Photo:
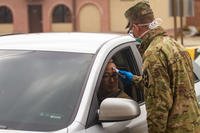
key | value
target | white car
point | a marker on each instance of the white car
(49, 83)
(197, 60)
(196, 65)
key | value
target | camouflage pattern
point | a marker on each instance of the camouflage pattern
(169, 87)
(167, 78)
(118, 93)
(139, 13)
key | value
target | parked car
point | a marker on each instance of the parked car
(197, 60)
(49, 83)
(196, 65)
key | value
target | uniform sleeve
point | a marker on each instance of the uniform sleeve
(158, 95)
(137, 79)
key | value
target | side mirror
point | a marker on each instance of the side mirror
(118, 109)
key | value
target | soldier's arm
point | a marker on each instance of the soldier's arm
(137, 79)
(158, 95)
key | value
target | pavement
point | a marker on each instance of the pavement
(192, 42)
(192, 45)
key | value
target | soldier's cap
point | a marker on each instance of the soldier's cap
(140, 13)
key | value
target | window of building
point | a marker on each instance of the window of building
(5, 15)
(61, 14)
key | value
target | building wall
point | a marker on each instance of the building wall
(6, 29)
(21, 24)
(161, 10)
(60, 27)
(102, 6)
(19, 11)
(118, 7)
(117, 20)
(89, 19)
(48, 6)
(195, 20)
(109, 15)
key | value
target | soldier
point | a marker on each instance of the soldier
(169, 92)
(109, 86)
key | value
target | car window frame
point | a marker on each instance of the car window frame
(195, 72)
(94, 106)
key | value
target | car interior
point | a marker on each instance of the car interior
(124, 60)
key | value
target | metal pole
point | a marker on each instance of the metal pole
(74, 14)
(174, 15)
(181, 19)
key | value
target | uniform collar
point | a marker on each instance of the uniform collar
(148, 37)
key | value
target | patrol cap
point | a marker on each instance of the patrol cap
(141, 13)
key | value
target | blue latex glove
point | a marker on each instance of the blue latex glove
(126, 76)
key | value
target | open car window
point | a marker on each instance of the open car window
(124, 60)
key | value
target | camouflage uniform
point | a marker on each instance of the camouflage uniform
(169, 87)
(118, 93)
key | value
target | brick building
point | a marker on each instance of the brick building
(24, 16)
(51, 15)
(195, 20)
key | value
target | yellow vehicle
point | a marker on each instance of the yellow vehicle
(194, 52)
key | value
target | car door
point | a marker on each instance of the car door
(126, 57)
(196, 69)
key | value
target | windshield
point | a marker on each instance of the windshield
(40, 90)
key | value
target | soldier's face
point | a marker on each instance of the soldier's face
(136, 30)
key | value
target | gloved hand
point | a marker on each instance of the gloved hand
(126, 76)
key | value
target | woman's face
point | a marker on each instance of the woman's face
(110, 78)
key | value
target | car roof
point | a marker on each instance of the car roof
(70, 42)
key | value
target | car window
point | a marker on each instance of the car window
(40, 90)
(124, 59)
